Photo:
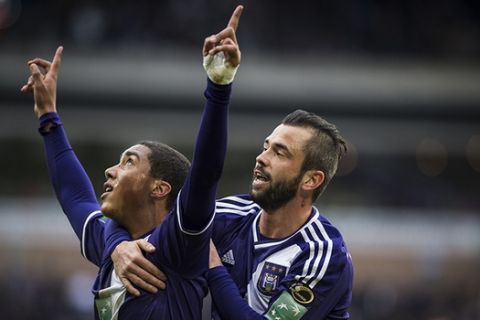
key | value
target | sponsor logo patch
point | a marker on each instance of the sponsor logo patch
(286, 308)
(228, 258)
(104, 308)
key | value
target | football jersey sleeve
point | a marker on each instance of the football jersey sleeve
(232, 214)
(185, 234)
(72, 187)
(182, 240)
(197, 198)
(226, 298)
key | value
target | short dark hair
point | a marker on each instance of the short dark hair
(323, 150)
(167, 164)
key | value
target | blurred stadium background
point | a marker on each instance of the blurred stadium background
(401, 79)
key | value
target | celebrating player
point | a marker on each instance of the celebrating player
(140, 192)
(285, 259)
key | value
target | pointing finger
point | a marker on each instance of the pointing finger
(57, 59)
(235, 18)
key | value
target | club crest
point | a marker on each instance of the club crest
(270, 277)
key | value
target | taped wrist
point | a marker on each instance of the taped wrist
(219, 70)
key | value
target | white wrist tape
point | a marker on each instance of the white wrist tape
(218, 70)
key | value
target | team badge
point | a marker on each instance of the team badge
(301, 293)
(270, 277)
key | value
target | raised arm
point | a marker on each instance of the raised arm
(221, 59)
(70, 182)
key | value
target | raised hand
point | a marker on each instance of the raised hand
(221, 53)
(43, 83)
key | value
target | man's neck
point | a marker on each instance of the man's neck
(286, 220)
(146, 221)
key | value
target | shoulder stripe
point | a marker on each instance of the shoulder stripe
(89, 217)
(317, 263)
(238, 212)
(329, 241)
(236, 199)
(307, 264)
(239, 207)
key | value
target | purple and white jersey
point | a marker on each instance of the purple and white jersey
(182, 240)
(307, 275)
(181, 254)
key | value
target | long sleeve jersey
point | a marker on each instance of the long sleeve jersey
(182, 240)
(307, 275)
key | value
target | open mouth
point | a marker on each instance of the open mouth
(260, 178)
(257, 175)
(107, 188)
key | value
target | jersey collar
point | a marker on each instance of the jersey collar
(261, 242)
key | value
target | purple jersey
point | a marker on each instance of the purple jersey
(182, 240)
(307, 275)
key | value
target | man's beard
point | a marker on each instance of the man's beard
(277, 194)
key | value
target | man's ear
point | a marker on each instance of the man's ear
(161, 189)
(312, 179)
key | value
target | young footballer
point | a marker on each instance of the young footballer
(151, 193)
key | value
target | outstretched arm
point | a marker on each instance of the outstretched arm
(71, 184)
(221, 59)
